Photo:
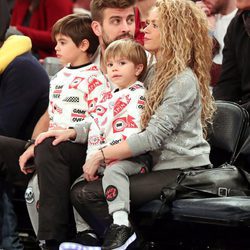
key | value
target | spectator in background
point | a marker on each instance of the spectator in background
(141, 13)
(81, 6)
(23, 99)
(219, 14)
(10, 5)
(234, 82)
(35, 18)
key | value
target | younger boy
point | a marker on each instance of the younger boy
(117, 116)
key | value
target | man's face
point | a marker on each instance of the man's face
(243, 4)
(117, 24)
(215, 6)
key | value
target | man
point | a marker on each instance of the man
(23, 99)
(234, 83)
(111, 23)
(219, 14)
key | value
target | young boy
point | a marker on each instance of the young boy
(126, 61)
(73, 93)
(117, 116)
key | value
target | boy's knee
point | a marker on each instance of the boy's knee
(43, 150)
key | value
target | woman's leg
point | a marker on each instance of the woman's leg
(89, 200)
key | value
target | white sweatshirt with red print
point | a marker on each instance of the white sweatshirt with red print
(74, 93)
(117, 116)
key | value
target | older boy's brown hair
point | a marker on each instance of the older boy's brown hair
(128, 49)
(78, 28)
(98, 6)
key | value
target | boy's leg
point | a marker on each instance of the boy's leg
(57, 168)
(116, 189)
(115, 183)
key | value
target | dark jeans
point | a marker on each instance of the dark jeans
(10, 149)
(10, 239)
(89, 200)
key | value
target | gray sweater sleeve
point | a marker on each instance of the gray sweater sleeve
(180, 96)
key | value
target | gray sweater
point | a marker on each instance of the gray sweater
(174, 133)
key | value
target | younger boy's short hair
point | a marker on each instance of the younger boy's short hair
(128, 49)
(78, 28)
(98, 6)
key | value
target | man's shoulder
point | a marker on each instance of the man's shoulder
(27, 66)
(25, 60)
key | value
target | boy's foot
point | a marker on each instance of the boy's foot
(49, 245)
(84, 240)
(118, 237)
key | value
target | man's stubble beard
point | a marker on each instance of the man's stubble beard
(107, 41)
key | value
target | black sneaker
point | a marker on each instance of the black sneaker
(118, 237)
(49, 245)
(85, 240)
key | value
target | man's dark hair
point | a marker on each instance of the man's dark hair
(4, 19)
(98, 6)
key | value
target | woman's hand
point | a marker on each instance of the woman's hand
(60, 136)
(91, 166)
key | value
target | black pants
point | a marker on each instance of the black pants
(10, 151)
(89, 200)
(57, 167)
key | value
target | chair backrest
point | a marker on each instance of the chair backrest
(226, 134)
(52, 65)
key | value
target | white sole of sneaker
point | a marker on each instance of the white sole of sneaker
(76, 246)
(127, 243)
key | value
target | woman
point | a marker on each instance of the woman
(178, 109)
(35, 18)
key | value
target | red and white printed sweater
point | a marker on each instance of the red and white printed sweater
(74, 93)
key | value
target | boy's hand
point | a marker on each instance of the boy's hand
(60, 136)
(91, 166)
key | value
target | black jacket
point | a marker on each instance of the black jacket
(234, 83)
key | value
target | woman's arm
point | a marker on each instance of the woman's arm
(176, 105)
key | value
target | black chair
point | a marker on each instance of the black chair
(226, 137)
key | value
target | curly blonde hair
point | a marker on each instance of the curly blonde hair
(185, 42)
